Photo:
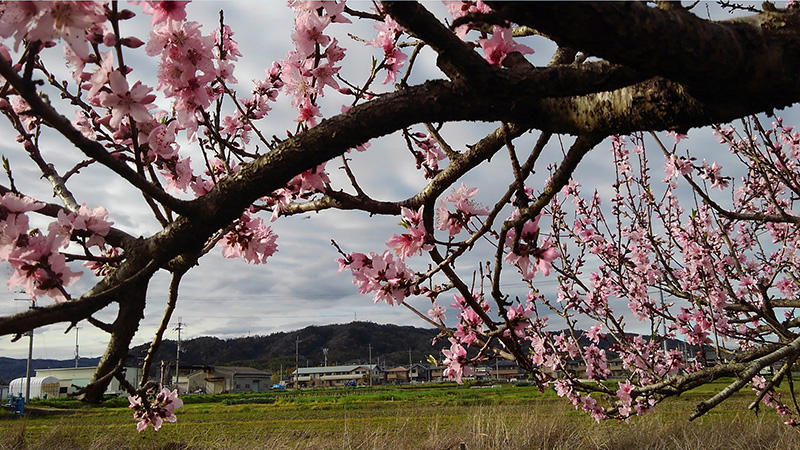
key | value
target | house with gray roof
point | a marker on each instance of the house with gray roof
(330, 376)
(224, 379)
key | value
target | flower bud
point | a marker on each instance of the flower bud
(131, 42)
(126, 14)
(110, 39)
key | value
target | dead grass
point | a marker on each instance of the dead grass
(409, 424)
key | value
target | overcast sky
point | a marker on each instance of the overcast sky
(299, 286)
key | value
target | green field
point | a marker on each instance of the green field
(424, 417)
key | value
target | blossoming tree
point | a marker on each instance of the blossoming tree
(723, 249)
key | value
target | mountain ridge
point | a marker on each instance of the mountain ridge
(349, 343)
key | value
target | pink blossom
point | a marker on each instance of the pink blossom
(308, 113)
(530, 257)
(309, 27)
(23, 110)
(165, 10)
(596, 363)
(67, 20)
(463, 202)
(466, 208)
(178, 174)
(93, 220)
(387, 278)
(161, 141)
(100, 77)
(16, 204)
(456, 362)
(388, 32)
(594, 334)
(518, 316)
(624, 396)
(437, 312)
(123, 101)
(501, 44)
(249, 239)
(413, 242)
(713, 174)
(675, 165)
(16, 17)
(677, 136)
(460, 8)
(40, 269)
(155, 409)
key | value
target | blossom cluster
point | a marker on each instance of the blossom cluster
(501, 42)
(386, 277)
(37, 264)
(526, 252)
(465, 210)
(154, 408)
(250, 240)
(314, 62)
(413, 242)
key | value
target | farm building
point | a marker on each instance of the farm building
(41, 387)
(70, 379)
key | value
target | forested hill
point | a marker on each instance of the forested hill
(347, 344)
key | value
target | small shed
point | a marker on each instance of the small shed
(41, 387)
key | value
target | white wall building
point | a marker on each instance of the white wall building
(41, 387)
(70, 379)
(335, 375)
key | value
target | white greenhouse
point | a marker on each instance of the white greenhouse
(41, 387)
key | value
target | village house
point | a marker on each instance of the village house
(436, 373)
(225, 379)
(397, 375)
(419, 373)
(330, 376)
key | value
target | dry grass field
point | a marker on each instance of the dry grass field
(506, 417)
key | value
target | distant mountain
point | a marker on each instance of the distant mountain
(347, 344)
(11, 368)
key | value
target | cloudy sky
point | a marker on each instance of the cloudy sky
(299, 286)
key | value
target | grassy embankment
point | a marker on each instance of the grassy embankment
(507, 417)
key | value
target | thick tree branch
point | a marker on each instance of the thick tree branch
(758, 56)
(456, 59)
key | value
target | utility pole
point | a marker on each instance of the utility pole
(77, 354)
(296, 360)
(178, 356)
(369, 346)
(28, 367)
(30, 355)
(409, 359)
(325, 351)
